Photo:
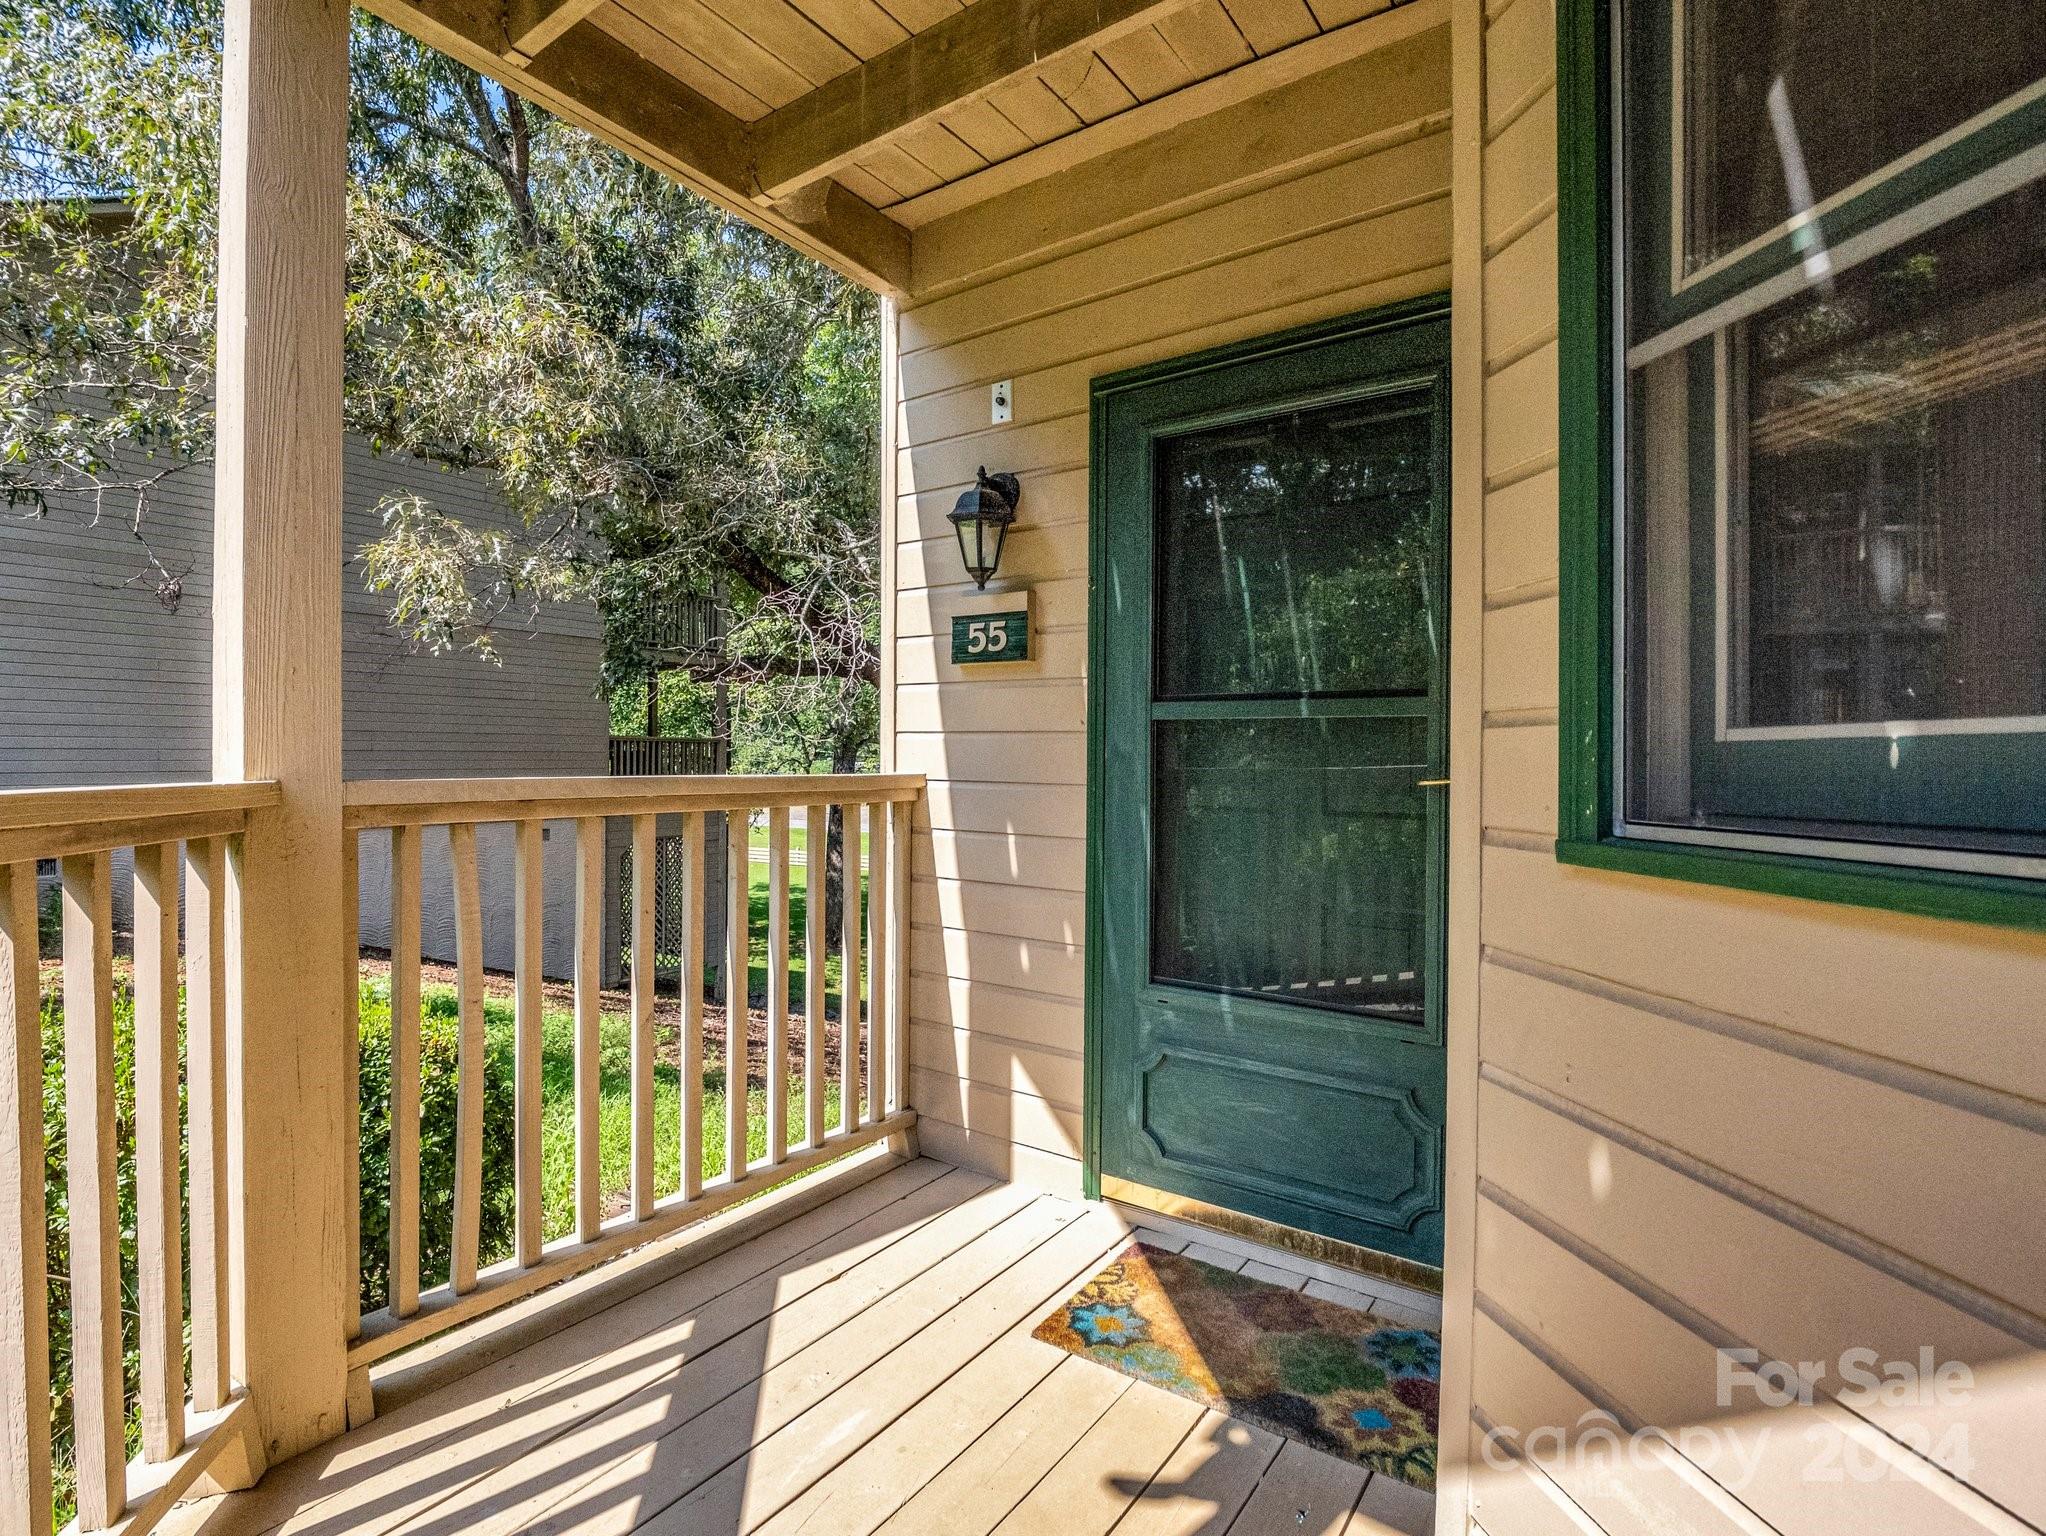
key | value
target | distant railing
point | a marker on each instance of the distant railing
(685, 624)
(879, 931)
(185, 1427)
(639, 756)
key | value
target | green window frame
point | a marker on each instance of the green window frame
(1590, 831)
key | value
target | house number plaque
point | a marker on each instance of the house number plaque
(978, 637)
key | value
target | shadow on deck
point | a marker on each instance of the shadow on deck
(866, 1365)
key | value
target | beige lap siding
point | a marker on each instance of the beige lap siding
(1707, 1118)
(1333, 197)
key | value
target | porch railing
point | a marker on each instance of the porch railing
(685, 624)
(67, 848)
(185, 1426)
(871, 1076)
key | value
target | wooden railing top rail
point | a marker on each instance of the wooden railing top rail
(432, 802)
(52, 823)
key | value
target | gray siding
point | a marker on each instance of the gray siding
(101, 684)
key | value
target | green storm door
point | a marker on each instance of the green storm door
(1267, 829)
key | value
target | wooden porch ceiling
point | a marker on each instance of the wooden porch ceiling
(843, 125)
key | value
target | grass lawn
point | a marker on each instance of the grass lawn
(614, 1112)
(799, 906)
(799, 845)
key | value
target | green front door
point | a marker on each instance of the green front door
(1267, 816)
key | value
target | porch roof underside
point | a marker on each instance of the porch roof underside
(844, 126)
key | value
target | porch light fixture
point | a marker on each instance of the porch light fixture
(981, 518)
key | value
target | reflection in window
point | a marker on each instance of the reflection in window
(1833, 599)
(1293, 553)
(1892, 558)
(1827, 92)
(1290, 860)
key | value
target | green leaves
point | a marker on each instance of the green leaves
(669, 400)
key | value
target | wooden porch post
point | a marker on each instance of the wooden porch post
(277, 700)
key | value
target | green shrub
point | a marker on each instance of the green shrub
(437, 1052)
(438, 1048)
(57, 1220)
(50, 921)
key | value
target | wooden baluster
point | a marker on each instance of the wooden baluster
(777, 984)
(527, 962)
(468, 1057)
(159, 1250)
(24, 1282)
(644, 885)
(849, 976)
(589, 977)
(404, 1071)
(815, 821)
(206, 1113)
(690, 920)
(898, 966)
(98, 1409)
(738, 959)
(351, 1082)
(878, 913)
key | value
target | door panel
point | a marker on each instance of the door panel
(1239, 1122)
(1267, 894)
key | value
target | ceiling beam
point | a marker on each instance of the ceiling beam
(960, 59)
(589, 78)
(1319, 56)
(530, 25)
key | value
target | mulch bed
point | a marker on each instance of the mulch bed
(559, 997)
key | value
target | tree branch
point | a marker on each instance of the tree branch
(505, 159)
(433, 131)
(708, 668)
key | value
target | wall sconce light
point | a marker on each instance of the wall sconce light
(981, 519)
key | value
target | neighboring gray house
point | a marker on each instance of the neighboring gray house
(102, 681)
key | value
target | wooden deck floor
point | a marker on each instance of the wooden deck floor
(865, 1367)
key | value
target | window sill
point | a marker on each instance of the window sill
(1989, 899)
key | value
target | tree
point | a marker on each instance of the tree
(671, 400)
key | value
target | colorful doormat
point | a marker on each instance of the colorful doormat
(1314, 1371)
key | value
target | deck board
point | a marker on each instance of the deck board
(864, 1367)
(695, 1442)
(998, 1470)
(868, 1487)
(474, 1422)
(1204, 1485)
(1095, 1482)
(1309, 1495)
(623, 1447)
(762, 1478)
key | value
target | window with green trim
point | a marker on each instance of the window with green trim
(1805, 435)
